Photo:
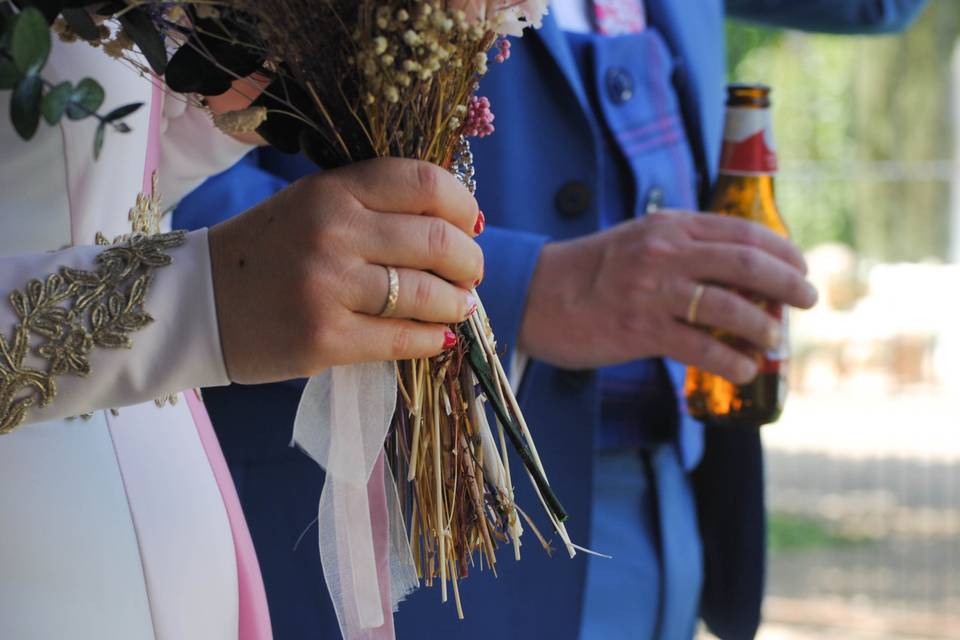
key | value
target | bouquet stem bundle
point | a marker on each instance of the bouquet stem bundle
(453, 471)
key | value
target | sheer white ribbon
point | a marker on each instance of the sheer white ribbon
(342, 421)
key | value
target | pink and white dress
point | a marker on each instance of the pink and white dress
(124, 525)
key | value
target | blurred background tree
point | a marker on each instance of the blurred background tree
(860, 124)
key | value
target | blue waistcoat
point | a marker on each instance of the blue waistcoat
(543, 161)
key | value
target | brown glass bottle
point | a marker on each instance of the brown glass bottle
(745, 189)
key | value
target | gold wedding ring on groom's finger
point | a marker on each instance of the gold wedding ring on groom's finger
(393, 293)
(695, 304)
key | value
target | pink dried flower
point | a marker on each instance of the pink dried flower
(479, 120)
(503, 49)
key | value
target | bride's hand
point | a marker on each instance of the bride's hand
(300, 279)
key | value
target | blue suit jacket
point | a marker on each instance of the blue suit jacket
(546, 138)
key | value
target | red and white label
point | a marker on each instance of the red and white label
(775, 359)
(748, 146)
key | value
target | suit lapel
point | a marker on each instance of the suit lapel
(557, 46)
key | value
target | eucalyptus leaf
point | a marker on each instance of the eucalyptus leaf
(9, 74)
(140, 28)
(55, 102)
(122, 112)
(86, 98)
(25, 106)
(81, 23)
(49, 8)
(98, 140)
(30, 41)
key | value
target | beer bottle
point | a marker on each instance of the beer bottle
(745, 189)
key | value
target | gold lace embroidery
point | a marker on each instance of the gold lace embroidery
(72, 312)
(146, 213)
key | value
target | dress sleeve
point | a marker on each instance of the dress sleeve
(96, 327)
(192, 148)
(830, 16)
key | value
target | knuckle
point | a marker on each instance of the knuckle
(427, 179)
(401, 342)
(748, 261)
(750, 234)
(423, 294)
(324, 331)
(714, 355)
(727, 306)
(646, 246)
(658, 217)
(439, 239)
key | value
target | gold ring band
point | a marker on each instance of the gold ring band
(393, 292)
(695, 304)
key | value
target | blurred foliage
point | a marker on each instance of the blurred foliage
(864, 130)
(791, 532)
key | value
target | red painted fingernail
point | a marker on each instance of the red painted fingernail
(449, 340)
(481, 223)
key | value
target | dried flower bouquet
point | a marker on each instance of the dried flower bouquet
(349, 80)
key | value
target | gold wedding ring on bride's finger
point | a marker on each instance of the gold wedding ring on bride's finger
(694, 305)
(393, 293)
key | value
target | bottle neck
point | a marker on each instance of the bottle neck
(748, 144)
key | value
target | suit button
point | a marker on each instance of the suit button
(573, 199)
(654, 200)
(619, 85)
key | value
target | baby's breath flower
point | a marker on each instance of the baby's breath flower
(379, 45)
(391, 94)
(480, 60)
(121, 43)
(65, 33)
(412, 38)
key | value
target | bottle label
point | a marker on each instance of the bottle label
(748, 146)
(774, 359)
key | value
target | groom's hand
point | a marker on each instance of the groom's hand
(300, 279)
(624, 294)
